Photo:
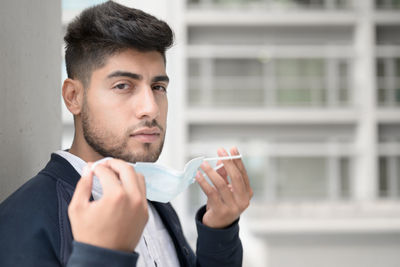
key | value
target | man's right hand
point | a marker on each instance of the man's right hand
(116, 221)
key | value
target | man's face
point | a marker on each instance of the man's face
(125, 107)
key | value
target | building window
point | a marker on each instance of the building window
(387, 4)
(275, 83)
(389, 176)
(388, 79)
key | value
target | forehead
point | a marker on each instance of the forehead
(145, 63)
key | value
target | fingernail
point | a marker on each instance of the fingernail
(198, 175)
(223, 152)
(205, 165)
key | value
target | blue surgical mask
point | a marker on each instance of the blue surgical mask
(163, 183)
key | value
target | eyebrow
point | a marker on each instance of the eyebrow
(118, 73)
(161, 78)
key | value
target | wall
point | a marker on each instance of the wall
(30, 72)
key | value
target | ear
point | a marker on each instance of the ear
(72, 92)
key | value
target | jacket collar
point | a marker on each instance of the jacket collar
(60, 168)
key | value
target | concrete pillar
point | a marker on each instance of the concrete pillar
(30, 74)
(366, 169)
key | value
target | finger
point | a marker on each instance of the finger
(219, 183)
(230, 187)
(108, 178)
(209, 190)
(237, 182)
(142, 184)
(126, 174)
(83, 189)
(222, 172)
(239, 164)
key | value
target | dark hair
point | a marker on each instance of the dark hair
(103, 30)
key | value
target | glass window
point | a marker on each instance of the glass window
(345, 183)
(382, 96)
(301, 178)
(300, 82)
(343, 4)
(309, 3)
(194, 95)
(246, 82)
(389, 176)
(344, 82)
(387, 4)
(238, 82)
(225, 82)
(380, 3)
(380, 68)
(397, 60)
(388, 81)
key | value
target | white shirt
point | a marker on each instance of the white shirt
(155, 247)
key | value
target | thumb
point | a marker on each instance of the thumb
(83, 189)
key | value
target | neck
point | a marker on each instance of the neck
(82, 149)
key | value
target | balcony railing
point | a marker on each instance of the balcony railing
(295, 82)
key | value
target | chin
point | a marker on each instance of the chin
(145, 152)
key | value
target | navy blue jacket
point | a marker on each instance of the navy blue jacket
(35, 229)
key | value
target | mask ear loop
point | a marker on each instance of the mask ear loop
(222, 158)
(100, 161)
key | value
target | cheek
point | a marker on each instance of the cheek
(163, 106)
(108, 114)
(105, 116)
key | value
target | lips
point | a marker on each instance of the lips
(147, 135)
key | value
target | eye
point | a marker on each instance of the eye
(121, 86)
(160, 88)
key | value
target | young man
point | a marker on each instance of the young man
(116, 90)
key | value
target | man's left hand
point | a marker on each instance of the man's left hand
(226, 200)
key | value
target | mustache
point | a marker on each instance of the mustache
(146, 123)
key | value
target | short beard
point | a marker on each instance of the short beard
(97, 139)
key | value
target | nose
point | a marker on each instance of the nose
(147, 106)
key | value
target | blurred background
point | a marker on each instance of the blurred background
(309, 91)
